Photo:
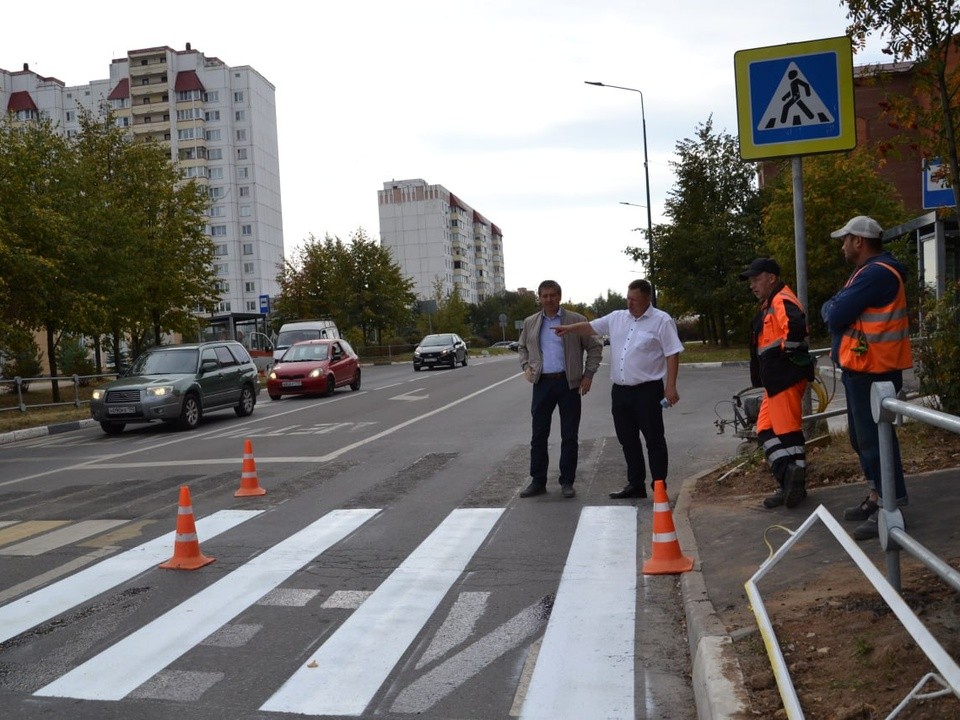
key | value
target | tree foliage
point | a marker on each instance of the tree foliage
(605, 305)
(836, 187)
(714, 231)
(922, 31)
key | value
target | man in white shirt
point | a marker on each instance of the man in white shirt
(644, 361)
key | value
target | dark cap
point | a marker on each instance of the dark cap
(761, 265)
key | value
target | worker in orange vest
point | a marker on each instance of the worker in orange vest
(870, 332)
(780, 363)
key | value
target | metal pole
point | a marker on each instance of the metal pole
(646, 177)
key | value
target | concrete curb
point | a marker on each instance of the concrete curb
(44, 430)
(718, 685)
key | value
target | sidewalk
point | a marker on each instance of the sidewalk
(726, 538)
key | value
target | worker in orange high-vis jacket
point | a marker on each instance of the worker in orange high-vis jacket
(870, 332)
(780, 363)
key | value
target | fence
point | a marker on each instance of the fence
(893, 539)
(20, 385)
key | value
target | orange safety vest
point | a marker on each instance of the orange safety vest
(879, 339)
(774, 334)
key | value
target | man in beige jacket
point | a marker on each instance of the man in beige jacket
(555, 367)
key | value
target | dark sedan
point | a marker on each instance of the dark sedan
(440, 349)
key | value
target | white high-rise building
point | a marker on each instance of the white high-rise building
(433, 235)
(220, 123)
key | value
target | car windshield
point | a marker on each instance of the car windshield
(437, 340)
(306, 353)
(165, 362)
(290, 337)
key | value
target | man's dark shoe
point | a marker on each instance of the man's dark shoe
(795, 485)
(869, 528)
(568, 491)
(629, 491)
(775, 500)
(533, 489)
(861, 512)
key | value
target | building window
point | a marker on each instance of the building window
(248, 248)
(240, 115)
(218, 230)
(221, 268)
(244, 191)
(252, 305)
(244, 211)
(187, 95)
(243, 173)
(212, 115)
(241, 153)
(249, 287)
(212, 135)
(223, 286)
(224, 306)
(217, 211)
(241, 135)
(215, 192)
(215, 154)
(220, 249)
(71, 116)
(216, 173)
(212, 96)
(246, 229)
(189, 134)
(248, 268)
(122, 121)
(238, 96)
(194, 172)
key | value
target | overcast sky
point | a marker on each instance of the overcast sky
(485, 97)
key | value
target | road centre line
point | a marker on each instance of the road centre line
(156, 645)
(347, 670)
(38, 607)
(94, 465)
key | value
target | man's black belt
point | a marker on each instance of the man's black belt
(553, 376)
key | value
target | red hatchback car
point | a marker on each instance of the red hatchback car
(314, 367)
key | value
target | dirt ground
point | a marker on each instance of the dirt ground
(848, 655)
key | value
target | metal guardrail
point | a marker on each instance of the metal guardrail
(20, 385)
(893, 538)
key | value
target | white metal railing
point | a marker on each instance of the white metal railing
(893, 538)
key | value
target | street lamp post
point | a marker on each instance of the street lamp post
(646, 176)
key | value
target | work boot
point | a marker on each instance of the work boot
(861, 512)
(775, 500)
(795, 483)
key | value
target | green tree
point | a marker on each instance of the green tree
(382, 295)
(451, 316)
(836, 186)
(714, 231)
(923, 31)
(606, 305)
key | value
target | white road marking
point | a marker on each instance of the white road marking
(64, 536)
(149, 650)
(55, 599)
(424, 693)
(586, 663)
(59, 571)
(409, 396)
(458, 626)
(347, 670)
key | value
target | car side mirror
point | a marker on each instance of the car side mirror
(208, 365)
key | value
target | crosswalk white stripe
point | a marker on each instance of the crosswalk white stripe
(58, 538)
(52, 600)
(342, 677)
(156, 645)
(586, 663)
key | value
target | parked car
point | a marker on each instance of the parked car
(314, 367)
(441, 349)
(179, 384)
(506, 344)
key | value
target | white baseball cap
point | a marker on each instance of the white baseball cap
(861, 226)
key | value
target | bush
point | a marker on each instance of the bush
(21, 357)
(73, 358)
(937, 355)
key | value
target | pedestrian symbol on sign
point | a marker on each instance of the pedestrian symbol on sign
(794, 104)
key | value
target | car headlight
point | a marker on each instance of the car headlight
(272, 375)
(160, 391)
(416, 353)
(317, 372)
(446, 351)
(99, 394)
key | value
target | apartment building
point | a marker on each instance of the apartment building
(433, 234)
(220, 124)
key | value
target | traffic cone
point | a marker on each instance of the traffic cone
(667, 558)
(249, 485)
(186, 547)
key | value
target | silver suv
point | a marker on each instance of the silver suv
(178, 384)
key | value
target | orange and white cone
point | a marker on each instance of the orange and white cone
(249, 484)
(186, 546)
(667, 558)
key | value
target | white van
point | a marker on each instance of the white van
(295, 332)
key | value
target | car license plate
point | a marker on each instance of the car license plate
(121, 410)
(291, 383)
(429, 360)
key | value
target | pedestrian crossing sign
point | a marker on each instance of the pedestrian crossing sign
(795, 99)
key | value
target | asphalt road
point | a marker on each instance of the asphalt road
(389, 571)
